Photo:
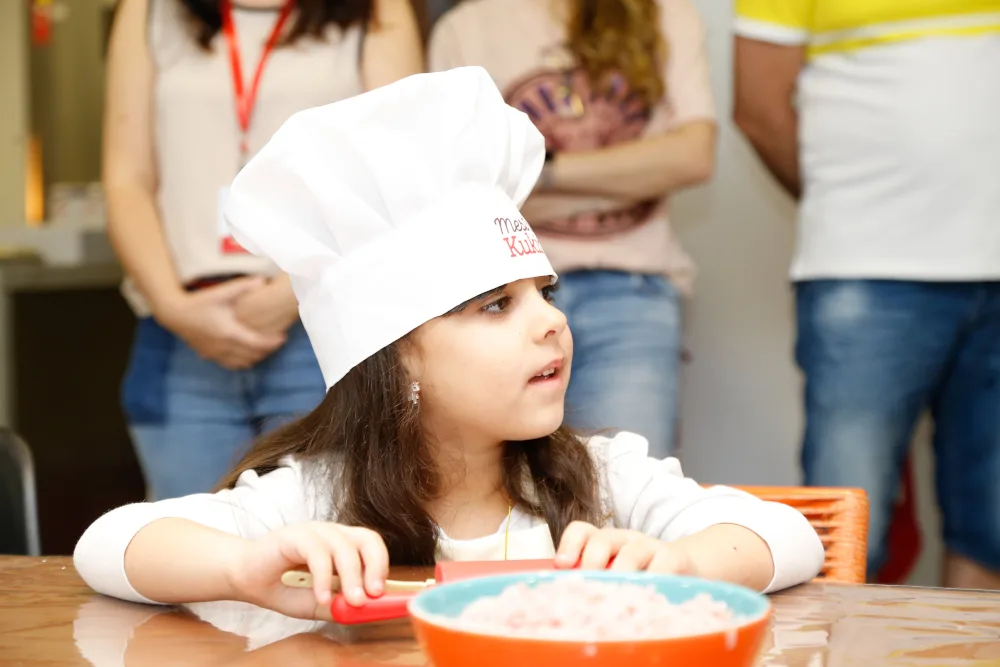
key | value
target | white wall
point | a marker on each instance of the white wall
(741, 415)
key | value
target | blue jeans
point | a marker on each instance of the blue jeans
(190, 419)
(875, 355)
(627, 345)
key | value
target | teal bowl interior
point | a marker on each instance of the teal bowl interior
(449, 600)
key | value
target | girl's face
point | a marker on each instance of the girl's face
(498, 369)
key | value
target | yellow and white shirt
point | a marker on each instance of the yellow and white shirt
(899, 134)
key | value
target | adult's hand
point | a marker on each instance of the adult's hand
(207, 321)
(270, 308)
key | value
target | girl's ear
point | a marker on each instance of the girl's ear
(410, 354)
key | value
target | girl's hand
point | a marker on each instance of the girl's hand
(357, 555)
(594, 547)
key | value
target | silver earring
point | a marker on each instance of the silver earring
(414, 392)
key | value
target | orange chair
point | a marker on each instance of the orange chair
(839, 515)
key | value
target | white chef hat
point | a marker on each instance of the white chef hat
(391, 208)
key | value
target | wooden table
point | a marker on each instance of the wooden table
(49, 617)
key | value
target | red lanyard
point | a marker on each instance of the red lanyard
(247, 99)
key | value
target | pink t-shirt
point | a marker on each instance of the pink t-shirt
(521, 45)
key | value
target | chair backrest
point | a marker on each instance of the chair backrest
(839, 515)
(19, 532)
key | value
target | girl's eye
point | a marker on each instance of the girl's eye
(497, 307)
(549, 293)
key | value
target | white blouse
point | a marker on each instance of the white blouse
(639, 492)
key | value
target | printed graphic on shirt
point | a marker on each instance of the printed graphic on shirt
(573, 116)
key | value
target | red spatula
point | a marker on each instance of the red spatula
(392, 605)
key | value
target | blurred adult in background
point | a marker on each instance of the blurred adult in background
(435, 8)
(620, 89)
(194, 88)
(893, 148)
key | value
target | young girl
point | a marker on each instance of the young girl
(427, 299)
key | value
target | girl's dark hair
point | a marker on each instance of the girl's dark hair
(368, 435)
(311, 17)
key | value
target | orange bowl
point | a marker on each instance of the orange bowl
(434, 612)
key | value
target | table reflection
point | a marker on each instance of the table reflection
(831, 625)
(111, 633)
(819, 625)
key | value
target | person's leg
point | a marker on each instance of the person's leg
(188, 417)
(872, 353)
(289, 383)
(627, 342)
(967, 447)
(143, 395)
(209, 423)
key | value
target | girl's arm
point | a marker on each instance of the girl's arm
(175, 561)
(232, 545)
(179, 561)
(723, 551)
(729, 552)
(728, 533)
(122, 552)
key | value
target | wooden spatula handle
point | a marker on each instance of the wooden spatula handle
(304, 579)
